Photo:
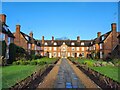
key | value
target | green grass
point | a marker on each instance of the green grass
(109, 71)
(15, 73)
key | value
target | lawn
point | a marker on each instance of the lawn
(15, 73)
(109, 71)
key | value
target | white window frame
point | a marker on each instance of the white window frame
(101, 56)
(73, 48)
(100, 45)
(72, 43)
(50, 48)
(77, 48)
(55, 48)
(46, 43)
(82, 43)
(82, 48)
(55, 43)
(68, 54)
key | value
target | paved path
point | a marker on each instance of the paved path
(66, 77)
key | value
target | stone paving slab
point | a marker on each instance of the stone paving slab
(67, 77)
(83, 77)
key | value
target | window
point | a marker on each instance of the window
(5, 27)
(50, 48)
(27, 37)
(29, 46)
(55, 48)
(77, 48)
(82, 43)
(35, 47)
(72, 43)
(82, 48)
(55, 43)
(2, 36)
(82, 54)
(73, 54)
(73, 48)
(100, 45)
(8, 40)
(64, 43)
(46, 43)
(91, 42)
(77, 54)
(11, 40)
(59, 54)
(68, 54)
(101, 54)
(94, 47)
(54, 54)
(45, 49)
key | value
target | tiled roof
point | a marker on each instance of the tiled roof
(6, 30)
(67, 42)
(30, 39)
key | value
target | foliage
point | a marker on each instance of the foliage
(4, 46)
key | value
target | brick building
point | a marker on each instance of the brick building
(99, 47)
(26, 41)
(64, 48)
(5, 34)
(105, 44)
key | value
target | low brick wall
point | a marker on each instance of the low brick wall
(100, 79)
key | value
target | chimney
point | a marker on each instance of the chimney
(98, 34)
(42, 39)
(113, 26)
(31, 34)
(52, 38)
(78, 38)
(3, 18)
(18, 28)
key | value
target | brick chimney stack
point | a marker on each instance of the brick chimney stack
(18, 28)
(98, 34)
(31, 34)
(114, 35)
(3, 18)
(78, 38)
(113, 26)
(42, 39)
(52, 38)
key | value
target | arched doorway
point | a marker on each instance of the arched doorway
(64, 50)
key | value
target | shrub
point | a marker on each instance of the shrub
(16, 63)
(33, 62)
(41, 63)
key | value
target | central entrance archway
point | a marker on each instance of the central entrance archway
(63, 50)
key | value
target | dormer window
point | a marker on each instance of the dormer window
(102, 37)
(63, 43)
(72, 43)
(46, 43)
(5, 27)
(82, 43)
(27, 37)
(91, 42)
(55, 43)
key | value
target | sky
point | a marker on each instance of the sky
(61, 19)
